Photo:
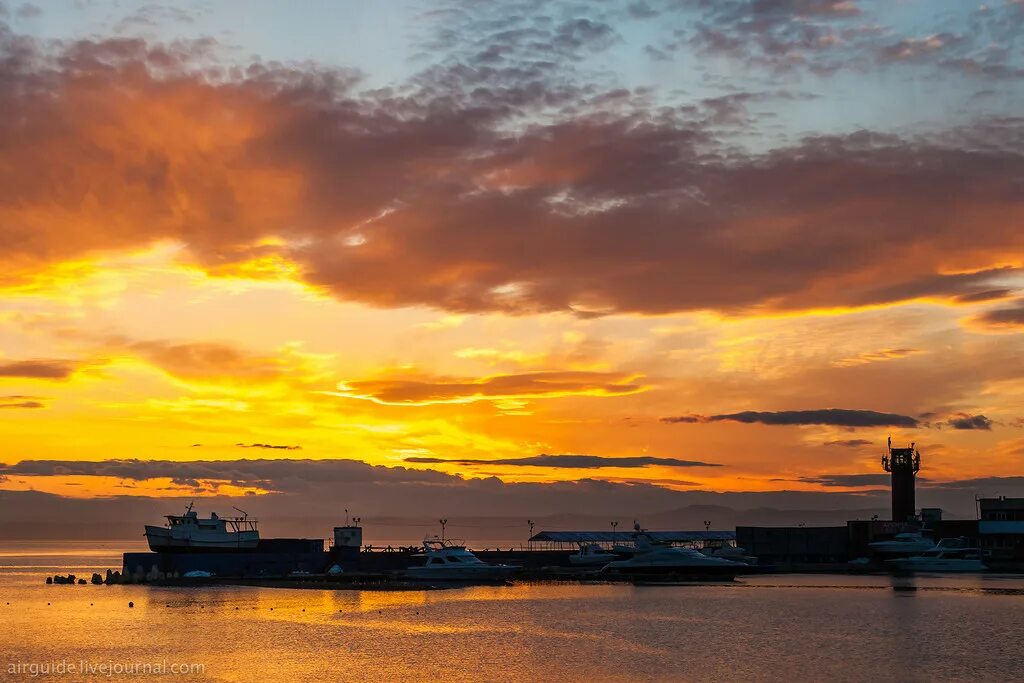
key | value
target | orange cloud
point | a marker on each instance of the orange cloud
(428, 199)
(205, 360)
(875, 356)
(38, 369)
(531, 385)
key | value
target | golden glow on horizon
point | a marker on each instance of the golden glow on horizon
(167, 355)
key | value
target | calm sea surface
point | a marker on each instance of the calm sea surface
(784, 628)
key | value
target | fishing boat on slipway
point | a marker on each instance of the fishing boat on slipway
(190, 532)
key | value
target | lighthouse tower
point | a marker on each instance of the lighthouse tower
(904, 464)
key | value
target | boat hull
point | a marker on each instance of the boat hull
(897, 549)
(162, 539)
(938, 566)
(593, 561)
(726, 571)
(634, 568)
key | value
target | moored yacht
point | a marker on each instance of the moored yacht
(447, 561)
(907, 543)
(653, 558)
(948, 555)
(190, 532)
(730, 552)
(591, 555)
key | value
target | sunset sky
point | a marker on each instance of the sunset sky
(674, 245)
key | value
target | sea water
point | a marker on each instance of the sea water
(769, 628)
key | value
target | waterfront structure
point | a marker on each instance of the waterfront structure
(1001, 527)
(572, 540)
(903, 464)
(271, 557)
(796, 547)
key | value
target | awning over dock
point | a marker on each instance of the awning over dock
(624, 536)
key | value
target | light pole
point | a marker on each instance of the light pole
(443, 523)
(614, 524)
(707, 525)
(529, 541)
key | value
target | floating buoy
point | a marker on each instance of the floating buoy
(131, 604)
(47, 603)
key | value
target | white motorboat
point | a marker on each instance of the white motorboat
(907, 543)
(730, 552)
(591, 555)
(653, 558)
(447, 561)
(948, 555)
(189, 532)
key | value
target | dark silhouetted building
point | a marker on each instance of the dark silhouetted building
(795, 547)
(1001, 527)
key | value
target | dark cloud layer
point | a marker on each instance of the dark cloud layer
(965, 421)
(986, 295)
(571, 461)
(827, 416)
(279, 475)
(778, 35)
(781, 36)
(849, 480)
(6, 402)
(437, 193)
(1006, 317)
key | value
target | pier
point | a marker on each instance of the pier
(556, 555)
